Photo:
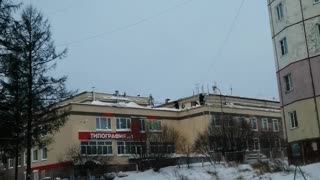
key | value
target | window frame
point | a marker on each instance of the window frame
(19, 161)
(119, 123)
(256, 122)
(288, 83)
(42, 153)
(293, 122)
(96, 145)
(151, 127)
(142, 123)
(35, 160)
(275, 121)
(25, 158)
(279, 11)
(10, 163)
(263, 121)
(216, 120)
(284, 46)
(108, 123)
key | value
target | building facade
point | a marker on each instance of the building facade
(105, 124)
(295, 27)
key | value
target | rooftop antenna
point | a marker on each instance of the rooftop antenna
(231, 90)
(197, 88)
(93, 93)
(208, 89)
(215, 90)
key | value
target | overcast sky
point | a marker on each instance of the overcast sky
(164, 47)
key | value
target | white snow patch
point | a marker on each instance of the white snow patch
(209, 172)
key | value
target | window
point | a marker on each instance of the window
(288, 82)
(10, 163)
(121, 148)
(279, 9)
(277, 143)
(162, 147)
(96, 147)
(35, 155)
(293, 119)
(125, 148)
(275, 125)
(216, 120)
(19, 161)
(44, 153)
(103, 123)
(254, 124)
(25, 158)
(256, 144)
(154, 125)
(265, 124)
(284, 46)
(142, 125)
(316, 1)
(318, 26)
(124, 124)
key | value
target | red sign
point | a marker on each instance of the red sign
(105, 135)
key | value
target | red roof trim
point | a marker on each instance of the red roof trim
(108, 115)
(151, 117)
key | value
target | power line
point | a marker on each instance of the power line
(224, 42)
(125, 27)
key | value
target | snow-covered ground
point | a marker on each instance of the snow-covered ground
(221, 172)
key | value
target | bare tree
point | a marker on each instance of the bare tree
(227, 134)
(154, 147)
(85, 164)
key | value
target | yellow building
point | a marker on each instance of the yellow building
(101, 123)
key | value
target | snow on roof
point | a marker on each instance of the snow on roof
(231, 105)
(129, 105)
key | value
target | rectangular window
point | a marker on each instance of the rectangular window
(19, 161)
(277, 143)
(142, 125)
(123, 124)
(293, 119)
(10, 163)
(162, 147)
(121, 148)
(256, 144)
(265, 124)
(275, 125)
(35, 155)
(103, 123)
(254, 124)
(44, 153)
(216, 120)
(283, 46)
(279, 9)
(25, 158)
(288, 82)
(96, 147)
(154, 125)
(316, 1)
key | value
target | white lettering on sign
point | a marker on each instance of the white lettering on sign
(109, 136)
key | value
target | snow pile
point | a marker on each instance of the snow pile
(220, 171)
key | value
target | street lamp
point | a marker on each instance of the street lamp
(221, 118)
